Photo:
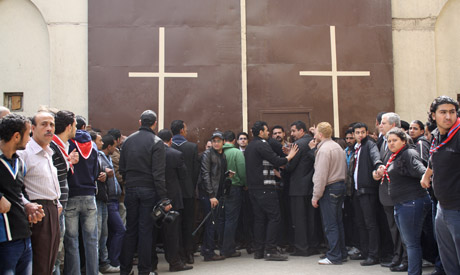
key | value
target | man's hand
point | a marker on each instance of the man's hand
(314, 203)
(168, 207)
(109, 172)
(74, 157)
(293, 152)
(102, 177)
(5, 205)
(214, 202)
(312, 143)
(34, 212)
(60, 208)
(425, 182)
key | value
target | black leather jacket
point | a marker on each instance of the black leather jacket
(212, 173)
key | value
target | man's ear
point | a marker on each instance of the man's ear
(16, 136)
(433, 116)
(140, 123)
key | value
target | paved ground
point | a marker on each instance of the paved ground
(295, 265)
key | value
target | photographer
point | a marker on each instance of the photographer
(210, 184)
(175, 174)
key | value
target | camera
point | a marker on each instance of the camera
(160, 215)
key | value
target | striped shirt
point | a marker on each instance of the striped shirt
(41, 181)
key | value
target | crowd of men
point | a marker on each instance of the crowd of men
(75, 200)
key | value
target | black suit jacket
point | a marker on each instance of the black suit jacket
(301, 169)
(384, 197)
(175, 174)
(190, 153)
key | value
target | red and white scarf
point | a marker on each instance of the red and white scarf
(61, 147)
(385, 173)
(453, 130)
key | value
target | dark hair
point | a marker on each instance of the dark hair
(81, 121)
(278, 127)
(349, 131)
(165, 135)
(116, 134)
(405, 125)
(176, 126)
(63, 119)
(379, 117)
(257, 127)
(420, 124)
(359, 125)
(93, 135)
(431, 126)
(399, 132)
(229, 136)
(107, 140)
(148, 118)
(299, 125)
(439, 101)
(242, 134)
(12, 123)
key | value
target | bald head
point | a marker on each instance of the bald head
(4, 111)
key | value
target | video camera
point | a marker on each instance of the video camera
(160, 215)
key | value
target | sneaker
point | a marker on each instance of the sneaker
(110, 269)
(325, 261)
(353, 251)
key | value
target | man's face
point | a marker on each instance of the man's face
(318, 136)
(360, 134)
(208, 145)
(243, 141)
(264, 133)
(296, 134)
(445, 117)
(350, 139)
(112, 148)
(385, 126)
(217, 144)
(278, 134)
(415, 131)
(43, 131)
(73, 129)
(24, 139)
(184, 131)
(99, 142)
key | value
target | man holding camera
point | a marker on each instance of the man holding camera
(142, 166)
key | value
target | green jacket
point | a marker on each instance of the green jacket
(236, 163)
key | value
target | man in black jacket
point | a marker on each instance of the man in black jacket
(190, 153)
(142, 165)
(260, 161)
(304, 215)
(175, 174)
(365, 194)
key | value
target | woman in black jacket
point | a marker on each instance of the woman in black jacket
(403, 172)
(422, 145)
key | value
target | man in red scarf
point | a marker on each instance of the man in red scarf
(444, 166)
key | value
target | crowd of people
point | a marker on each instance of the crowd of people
(74, 200)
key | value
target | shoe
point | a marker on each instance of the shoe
(249, 250)
(275, 256)
(153, 273)
(258, 255)
(110, 269)
(358, 256)
(326, 261)
(353, 251)
(399, 268)
(214, 258)
(426, 263)
(233, 255)
(369, 261)
(179, 267)
(390, 264)
(344, 260)
(300, 253)
(438, 272)
(190, 259)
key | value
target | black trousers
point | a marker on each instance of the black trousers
(187, 226)
(171, 235)
(304, 220)
(365, 207)
(399, 253)
(266, 209)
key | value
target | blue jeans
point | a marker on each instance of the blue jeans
(228, 220)
(116, 233)
(81, 210)
(330, 206)
(448, 238)
(102, 233)
(16, 257)
(207, 248)
(409, 217)
(139, 202)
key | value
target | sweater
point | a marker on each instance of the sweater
(236, 163)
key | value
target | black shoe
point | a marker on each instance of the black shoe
(399, 268)
(249, 250)
(233, 255)
(358, 256)
(369, 261)
(258, 255)
(179, 267)
(190, 259)
(275, 256)
(390, 264)
(214, 258)
(438, 272)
